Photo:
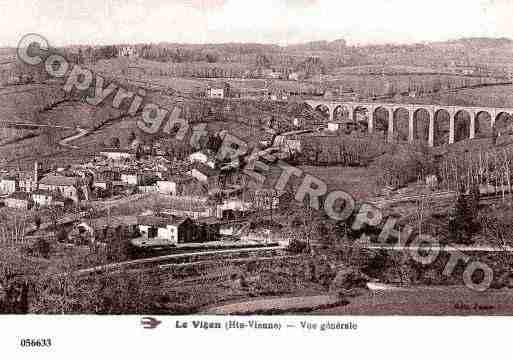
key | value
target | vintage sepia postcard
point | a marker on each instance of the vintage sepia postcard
(298, 170)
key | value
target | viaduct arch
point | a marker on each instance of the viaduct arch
(433, 124)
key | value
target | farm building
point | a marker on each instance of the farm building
(66, 186)
(19, 200)
(44, 198)
(172, 230)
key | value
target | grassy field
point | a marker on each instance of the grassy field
(388, 69)
(367, 84)
(23, 101)
(492, 96)
(160, 73)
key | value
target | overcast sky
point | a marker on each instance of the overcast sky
(66, 22)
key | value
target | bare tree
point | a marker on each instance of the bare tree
(13, 229)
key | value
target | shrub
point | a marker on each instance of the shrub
(296, 246)
(42, 248)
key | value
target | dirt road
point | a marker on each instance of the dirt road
(278, 305)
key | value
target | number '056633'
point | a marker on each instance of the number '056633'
(36, 343)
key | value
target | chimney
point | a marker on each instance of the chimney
(36, 172)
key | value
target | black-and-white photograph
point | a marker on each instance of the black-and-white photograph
(256, 158)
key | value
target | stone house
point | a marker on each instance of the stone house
(68, 187)
(205, 174)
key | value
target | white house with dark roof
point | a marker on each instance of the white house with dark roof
(66, 186)
(202, 157)
(131, 177)
(8, 185)
(166, 187)
(28, 185)
(215, 92)
(19, 200)
(170, 230)
(204, 173)
(117, 154)
(173, 184)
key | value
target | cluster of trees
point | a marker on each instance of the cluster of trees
(399, 85)
(339, 150)
(229, 60)
(491, 169)
(14, 293)
(336, 46)
(201, 70)
(248, 56)
(463, 218)
(116, 293)
(312, 66)
(91, 54)
(40, 248)
(496, 224)
(403, 165)
(177, 54)
(13, 227)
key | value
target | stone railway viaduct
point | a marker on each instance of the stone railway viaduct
(471, 115)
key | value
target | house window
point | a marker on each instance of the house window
(152, 232)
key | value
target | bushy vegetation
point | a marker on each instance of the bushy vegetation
(463, 218)
(121, 293)
(345, 150)
(496, 225)
(402, 165)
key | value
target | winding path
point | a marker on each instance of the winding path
(65, 141)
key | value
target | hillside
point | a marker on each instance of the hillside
(332, 55)
(368, 71)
